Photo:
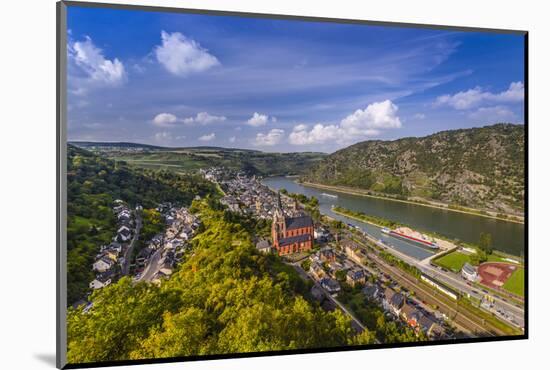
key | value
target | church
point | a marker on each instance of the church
(291, 234)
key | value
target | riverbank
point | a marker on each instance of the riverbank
(444, 244)
(364, 193)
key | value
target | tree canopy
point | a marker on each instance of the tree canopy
(93, 183)
(225, 297)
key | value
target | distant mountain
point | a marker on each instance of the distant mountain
(95, 144)
(478, 167)
(107, 145)
(186, 159)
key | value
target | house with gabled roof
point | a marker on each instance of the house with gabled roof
(355, 276)
(102, 280)
(331, 285)
(103, 264)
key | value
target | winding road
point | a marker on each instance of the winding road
(130, 249)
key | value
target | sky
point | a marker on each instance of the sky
(280, 85)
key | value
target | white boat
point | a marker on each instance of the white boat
(329, 195)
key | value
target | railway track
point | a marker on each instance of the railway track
(461, 320)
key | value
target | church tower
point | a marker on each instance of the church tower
(278, 227)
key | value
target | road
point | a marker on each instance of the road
(152, 266)
(130, 249)
(462, 317)
(356, 324)
(456, 282)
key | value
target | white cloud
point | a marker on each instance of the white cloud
(208, 137)
(319, 134)
(258, 119)
(94, 69)
(494, 114)
(204, 118)
(515, 93)
(170, 120)
(165, 119)
(163, 137)
(182, 56)
(273, 137)
(360, 124)
(477, 96)
(232, 139)
(419, 116)
(379, 115)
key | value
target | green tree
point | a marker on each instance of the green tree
(340, 275)
(485, 242)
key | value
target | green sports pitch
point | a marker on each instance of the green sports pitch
(453, 261)
(516, 283)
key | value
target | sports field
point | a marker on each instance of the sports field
(515, 283)
(453, 261)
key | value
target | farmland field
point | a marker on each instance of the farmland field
(253, 162)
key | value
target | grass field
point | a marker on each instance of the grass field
(515, 283)
(453, 261)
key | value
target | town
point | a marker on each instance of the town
(334, 262)
(157, 259)
(346, 267)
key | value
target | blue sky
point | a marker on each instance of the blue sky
(280, 85)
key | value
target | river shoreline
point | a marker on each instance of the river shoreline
(448, 245)
(429, 205)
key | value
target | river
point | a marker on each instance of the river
(506, 236)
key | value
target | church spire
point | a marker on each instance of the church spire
(279, 203)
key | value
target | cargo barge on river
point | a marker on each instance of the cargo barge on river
(410, 235)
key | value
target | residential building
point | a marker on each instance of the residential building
(263, 246)
(371, 291)
(355, 276)
(410, 315)
(396, 303)
(317, 270)
(332, 286)
(102, 280)
(326, 254)
(393, 301)
(353, 251)
(103, 264)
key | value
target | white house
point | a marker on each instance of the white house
(101, 281)
(103, 264)
(124, 233)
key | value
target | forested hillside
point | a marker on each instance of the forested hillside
(93, 184)
(225, 297)
(477, 167)
(253, 162)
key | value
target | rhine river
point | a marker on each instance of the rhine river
(507, 236)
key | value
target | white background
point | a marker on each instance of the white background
(27, 132)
